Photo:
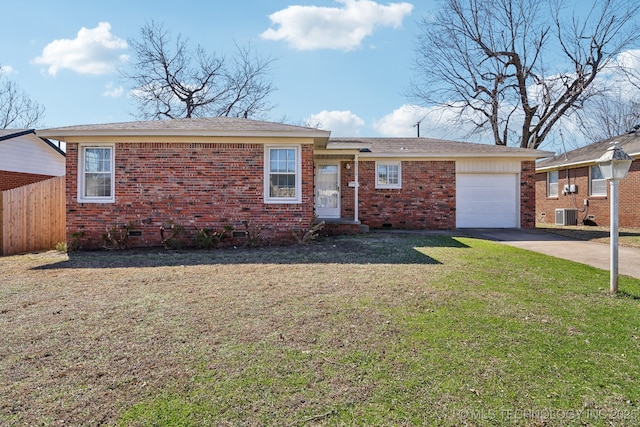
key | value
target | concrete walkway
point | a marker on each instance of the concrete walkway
(590, 253)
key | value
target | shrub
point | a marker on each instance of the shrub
(172, 240)
(209, 238)
(75, 243)
(117, 236)
(305, 237)
(253, 234)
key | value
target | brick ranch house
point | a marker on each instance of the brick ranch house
(230, 172)
(571, 185)
(26, 159)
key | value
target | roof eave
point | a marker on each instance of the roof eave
(17, 134)
(53, 146)
(576, 164)
(517, 155)
(31, 133)
(60, 134)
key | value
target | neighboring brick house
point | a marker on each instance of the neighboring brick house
(26, 159)
(272, 178)
(572, 184)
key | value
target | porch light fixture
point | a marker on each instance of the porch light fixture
(614, 165)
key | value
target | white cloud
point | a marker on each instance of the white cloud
(340, 123)
(630, 58)
(343, 28)
(93, 51)
(401, 122)
(7, 70)
(621, 76)
(113, 92)
(435, 122)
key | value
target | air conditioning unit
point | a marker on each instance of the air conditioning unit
(566, 217)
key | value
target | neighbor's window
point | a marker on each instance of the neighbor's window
(96, 177)
(597, 184)
(282, 175)
(552, 184)
(388, 175)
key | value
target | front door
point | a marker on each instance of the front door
(328, 190)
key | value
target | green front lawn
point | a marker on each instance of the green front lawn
(378, 329)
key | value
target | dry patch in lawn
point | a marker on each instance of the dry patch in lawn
(87, 335)
(377, 329)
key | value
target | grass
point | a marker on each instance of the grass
(628, 236)
(377, 329)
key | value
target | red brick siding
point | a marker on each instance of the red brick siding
(427, 197)
(347, 194)
(425, 201)
(629, 197)
(528, 195)
(193, 185)
(10, 180)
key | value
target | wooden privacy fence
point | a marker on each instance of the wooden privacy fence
(32, 217)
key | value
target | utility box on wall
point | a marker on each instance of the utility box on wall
(566, 216)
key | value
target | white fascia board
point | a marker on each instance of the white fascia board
(323, 152)
(347, 146)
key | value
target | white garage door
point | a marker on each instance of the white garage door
(486, 200)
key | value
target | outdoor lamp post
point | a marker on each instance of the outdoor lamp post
(614, 165)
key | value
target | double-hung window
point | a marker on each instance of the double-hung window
(96, 174)
(388, 174)
(552, 184)
(282, 174)
(597, 183)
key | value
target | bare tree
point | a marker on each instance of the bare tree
(169, 80)
(17, 110)
(609, 116)
(517, 67)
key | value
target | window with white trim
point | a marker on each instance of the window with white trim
(388, 174)
(282, 180)
(96, 174)
(597, 183)
(552, 184)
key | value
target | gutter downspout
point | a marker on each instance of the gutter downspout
(355, 202)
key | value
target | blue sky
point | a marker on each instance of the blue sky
(345, 63)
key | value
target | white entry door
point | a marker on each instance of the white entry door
(328, 190)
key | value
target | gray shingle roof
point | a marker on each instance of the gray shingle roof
(435, 147)
(205, 126)
(630, 143)
(229, 126)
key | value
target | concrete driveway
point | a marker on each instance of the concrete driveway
(590, 253)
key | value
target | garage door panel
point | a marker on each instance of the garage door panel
(486, 196)
(496, 221)
(487, 201)
(493, 208)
